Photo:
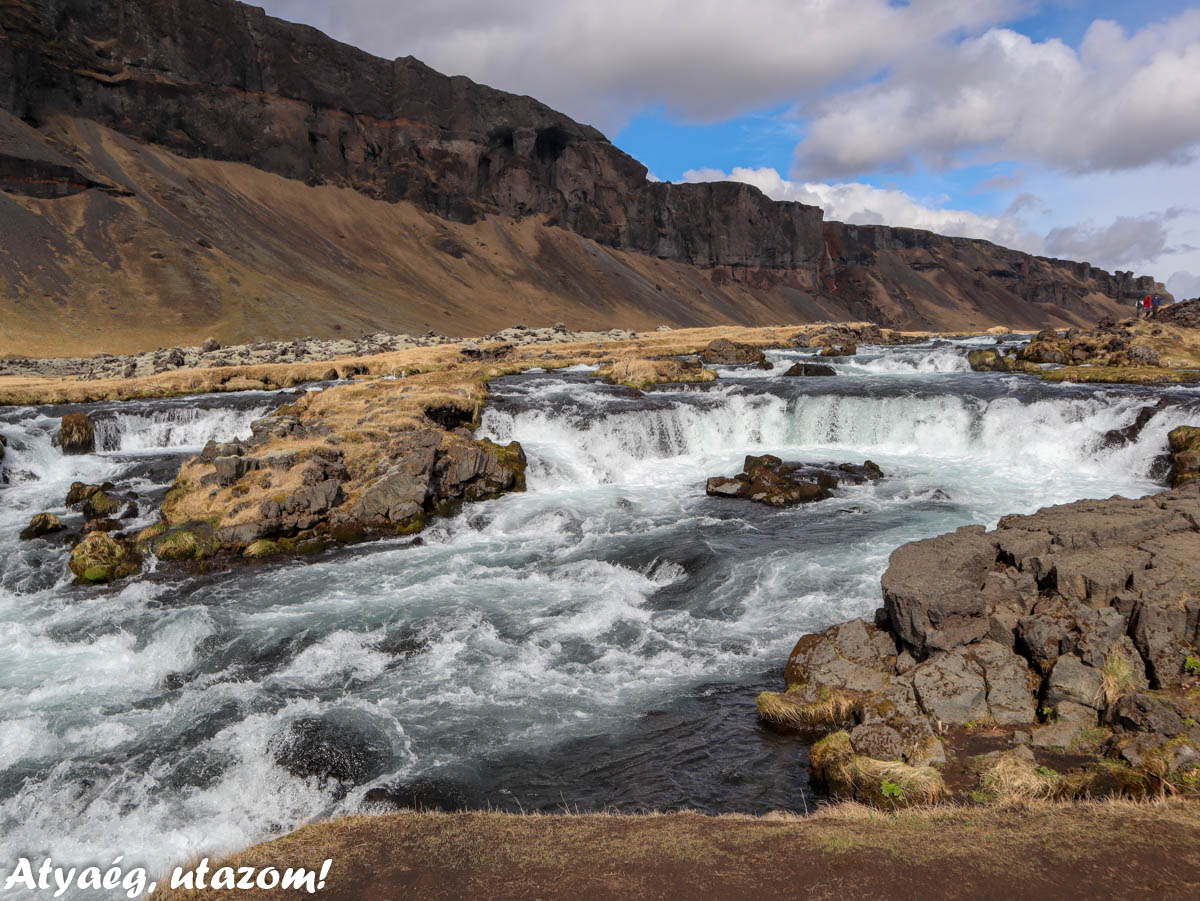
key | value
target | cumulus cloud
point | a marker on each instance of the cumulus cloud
(1184, 285)
(1119, 101)
(1128, 241)
(603, 62)
(863, 204)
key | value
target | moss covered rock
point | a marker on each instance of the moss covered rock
(41, 524)
(993, 361)
(264, 547)
(880, 783)
(102, 558)
(189, 541)
(100, 504)
(76, 434)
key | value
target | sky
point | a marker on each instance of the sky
(1058, 127)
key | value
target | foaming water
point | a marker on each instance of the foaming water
(595, 640)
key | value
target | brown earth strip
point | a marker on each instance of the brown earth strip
(1095, 851)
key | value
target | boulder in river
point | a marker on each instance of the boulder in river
(41, 524)
(334, 747)
(807, 369)
(101, 557)
(722, 351)
(770, 480)
(77, 434)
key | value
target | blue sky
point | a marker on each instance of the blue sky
(1055, 126)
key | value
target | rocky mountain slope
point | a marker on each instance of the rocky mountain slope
(174, 168)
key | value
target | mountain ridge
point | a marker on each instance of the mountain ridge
(200, 82)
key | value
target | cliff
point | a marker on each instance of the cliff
(148, 110)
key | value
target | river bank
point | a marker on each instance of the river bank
(1110, 850)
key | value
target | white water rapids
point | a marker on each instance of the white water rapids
(595, 640)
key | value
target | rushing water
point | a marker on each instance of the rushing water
(596, 641)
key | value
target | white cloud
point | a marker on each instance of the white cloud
(1119, 101)
(1184, 285)
(602, 62)
(1127, 241)
(863, 204)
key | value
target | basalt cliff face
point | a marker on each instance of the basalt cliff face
(192, 159)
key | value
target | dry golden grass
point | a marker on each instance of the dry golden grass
(1116, 677)
(638, 373)
(783, 709)
(22, 390)
(1015, 779)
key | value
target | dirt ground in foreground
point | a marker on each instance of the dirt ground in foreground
(1109, 850)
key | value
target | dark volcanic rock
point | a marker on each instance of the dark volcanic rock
(220, 80)
(333, 747)
(1085, 614)
(806, 369)
(772, 481)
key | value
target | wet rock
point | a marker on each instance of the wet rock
(79, 492)
(769, 480)
(989, 360)
(99, 504)
(722, 351)
(41, 524)
(1184, 444)
(77, 434)
(335, 747)
(427, 794)
(839, 350)
(106, 524)
(810, 369)
(101, 558)
(187, 541)
(1130, 433)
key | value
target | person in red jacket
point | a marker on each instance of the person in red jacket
(1146, 307)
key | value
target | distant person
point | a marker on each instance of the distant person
(1154, 304)
(1146, 304)
(1137, 307)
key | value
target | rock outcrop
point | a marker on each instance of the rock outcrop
(772, 481)
(1076, 627)
(94, 97)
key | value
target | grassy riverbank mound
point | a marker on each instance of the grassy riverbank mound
(470, 358)
(1117, 850)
